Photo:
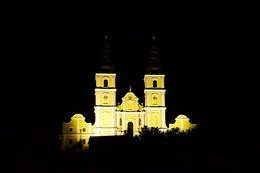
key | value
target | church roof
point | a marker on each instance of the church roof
(153, 64)
(105, 62)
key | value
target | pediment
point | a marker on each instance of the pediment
(78, 116)
(130, 103)
(130, 96)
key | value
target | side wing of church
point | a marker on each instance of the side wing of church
(128, 117)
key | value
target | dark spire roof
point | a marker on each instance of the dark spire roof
(153, 65)
(105, 63)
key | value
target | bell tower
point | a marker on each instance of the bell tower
(154, 90)
(105, 94)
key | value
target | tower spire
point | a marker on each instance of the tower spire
(105, 64)
(153, 63)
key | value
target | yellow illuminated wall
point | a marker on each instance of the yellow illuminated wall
(155, 101)
(76, 131)
(105, 91)
(130, 111)
(183, 123)
(101, 77)
(105, 108)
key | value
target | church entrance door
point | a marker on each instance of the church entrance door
(130, 128)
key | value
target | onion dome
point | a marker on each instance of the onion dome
(105, 64)
(153, 64)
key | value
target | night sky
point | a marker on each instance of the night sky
(205, 50)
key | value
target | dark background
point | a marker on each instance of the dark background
(206, 51)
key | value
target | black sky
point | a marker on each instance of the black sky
(211, 74)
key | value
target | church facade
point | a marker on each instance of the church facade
(112, 119)
(127, 117)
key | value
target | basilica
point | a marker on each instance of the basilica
(129, 116)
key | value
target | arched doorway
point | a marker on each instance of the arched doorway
(130, 129)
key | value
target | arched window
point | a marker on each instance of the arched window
(120, 122)
(105, 83)
(140, 122)
(154, 84)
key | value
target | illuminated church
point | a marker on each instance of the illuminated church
(129, 116)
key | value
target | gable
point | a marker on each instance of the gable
(130, 103)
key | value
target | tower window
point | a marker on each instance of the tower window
(140, 122)
(84, 129)
(154, 84)
(70, 129)
(105, 83)
(120, 122)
